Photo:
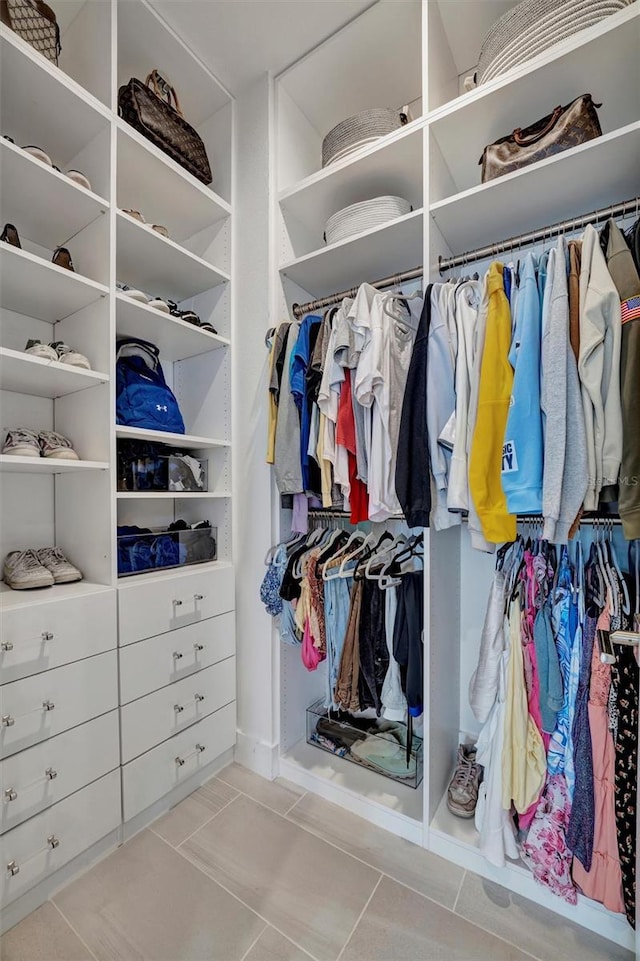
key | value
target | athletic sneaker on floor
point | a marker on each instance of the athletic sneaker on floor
(23, 570)
(63, 571)
(462, 795)
(56, 445)
(22, 442)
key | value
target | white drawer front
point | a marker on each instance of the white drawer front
(29, 853)
(45, 705)
(158, 661)
(157, 606)
(43, 636)
(158, 716)
(35, 779)
(158, 771)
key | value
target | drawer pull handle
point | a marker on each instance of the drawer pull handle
(48, 705)
(177, 655)
(47, 636)
(8, 720)
(177, 603)
(50, 773)
(6, 646)
(199, 697)
(181, 761)
(178, 708)
(198, 597)
(10, 794)
(13, 868)
(53, 841)
(198, 647)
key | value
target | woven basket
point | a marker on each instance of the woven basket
(365, 127)
(533, 26)
(364, 216)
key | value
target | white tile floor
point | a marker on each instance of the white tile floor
(251, 870)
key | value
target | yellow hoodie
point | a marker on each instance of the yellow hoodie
(496, 381)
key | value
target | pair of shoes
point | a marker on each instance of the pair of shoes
(143, 298)
(190, 317)
(159, 229)
(462, 794)
(39, 154)
(23, 442)
(57, 351)
(61, 256)
(38, 568)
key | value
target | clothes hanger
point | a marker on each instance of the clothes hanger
(613, 560)
(335, 571)
(377, 556)
(387, 577)
(369, 540)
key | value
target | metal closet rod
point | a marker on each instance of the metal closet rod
(543, 233)
(299, 310)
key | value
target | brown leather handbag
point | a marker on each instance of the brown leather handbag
(156, 114)
(566, 127)
(35, 22)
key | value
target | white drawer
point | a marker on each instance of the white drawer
(45, 635)
(158, 771)
(165, 603)
(42, 706)
(35, 779)
(158, 661)
(29, 853)
(156, 717)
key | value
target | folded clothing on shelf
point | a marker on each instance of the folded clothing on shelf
(143, 549)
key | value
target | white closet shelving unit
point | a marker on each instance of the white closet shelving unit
(96, 707)
(420, 52)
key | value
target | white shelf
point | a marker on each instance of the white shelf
(47, 465)
(34, 287)
(186, 441)
(132, 580)
(176, 339)
(595, 60)
(158, 265)
(10, 599)
(27, 374)
(40, 101)
(150, 181)
(375, 253)
(372, 795)
(46, 206)
(391, 166)
(592, 175)
(171, 495)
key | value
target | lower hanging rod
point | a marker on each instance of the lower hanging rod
(299, 310)
(543, 233)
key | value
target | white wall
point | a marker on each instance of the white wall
(256, 653)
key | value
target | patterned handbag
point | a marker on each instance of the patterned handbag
(156, 114)
(566, 127)
(36, 23)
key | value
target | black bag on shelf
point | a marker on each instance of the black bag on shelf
(153, 109)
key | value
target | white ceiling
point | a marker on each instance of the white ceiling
(239, 39)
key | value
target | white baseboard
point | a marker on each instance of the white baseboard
(256, 755)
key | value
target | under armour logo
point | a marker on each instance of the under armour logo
(162, 407)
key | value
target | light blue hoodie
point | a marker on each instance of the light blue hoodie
(522, 456)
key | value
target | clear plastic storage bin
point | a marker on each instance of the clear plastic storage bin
(141, 550)
(374, 743)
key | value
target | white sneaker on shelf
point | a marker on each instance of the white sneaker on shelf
(22, 442)
(23, 570)
(56, 445)
(132, 292)
(59, 566)
(159, 304)
(67, 355)
(38, 349)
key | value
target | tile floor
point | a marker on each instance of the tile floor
(251, 870)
